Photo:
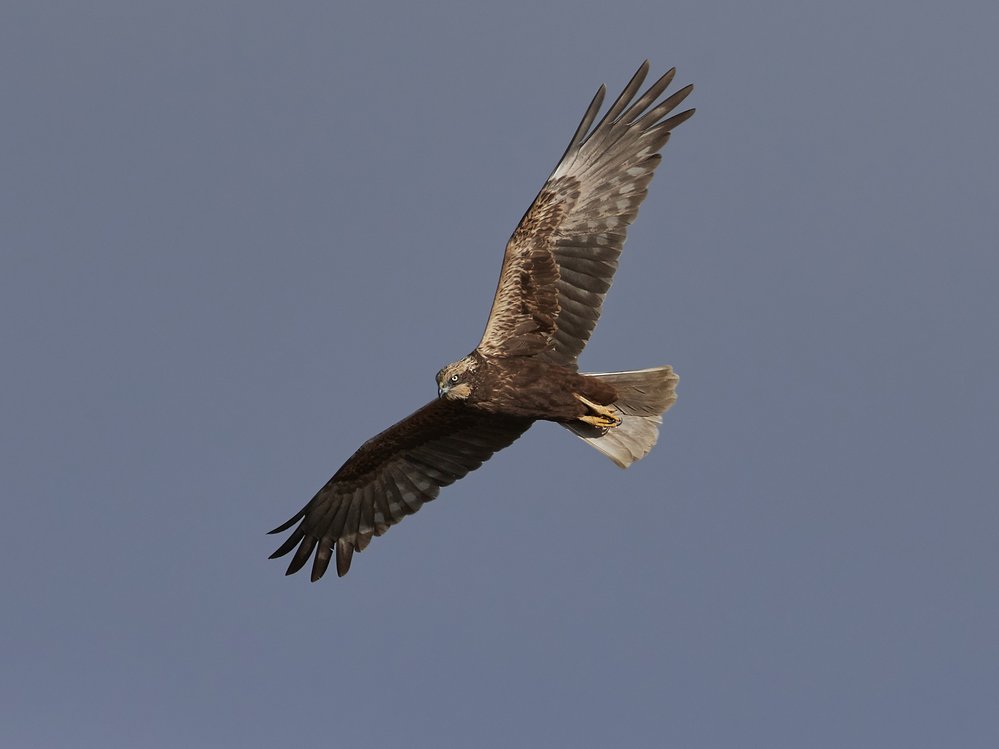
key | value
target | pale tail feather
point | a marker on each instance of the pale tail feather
(643, 397)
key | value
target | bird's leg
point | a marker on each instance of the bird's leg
(603, 416)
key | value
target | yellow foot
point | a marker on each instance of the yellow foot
(603, 416)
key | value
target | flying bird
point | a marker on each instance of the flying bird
(557, 268)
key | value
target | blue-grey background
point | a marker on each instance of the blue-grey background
(238, 239)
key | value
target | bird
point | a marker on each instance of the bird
(557, 269)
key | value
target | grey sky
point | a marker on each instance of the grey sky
(238, 239)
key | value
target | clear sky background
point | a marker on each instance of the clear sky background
(238, 239)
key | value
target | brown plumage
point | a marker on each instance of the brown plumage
(557, 268)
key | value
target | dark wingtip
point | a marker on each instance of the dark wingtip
(678, 119)
(288, 523)
(288, 545)
(302, 554)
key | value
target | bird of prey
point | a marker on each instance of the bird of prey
(557, 268)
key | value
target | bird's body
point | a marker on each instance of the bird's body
(557, 268)
(531, 388)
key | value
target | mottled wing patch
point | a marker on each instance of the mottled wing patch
(391, 476)
(525, 308)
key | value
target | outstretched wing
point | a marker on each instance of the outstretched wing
(391, 476)
(560, 260)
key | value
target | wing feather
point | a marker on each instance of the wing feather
(392, 475)
(561, 259)
(396, 507)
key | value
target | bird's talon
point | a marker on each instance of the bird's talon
(603, 416)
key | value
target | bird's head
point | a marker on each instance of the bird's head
(454, 382)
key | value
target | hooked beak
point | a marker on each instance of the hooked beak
(442, 390)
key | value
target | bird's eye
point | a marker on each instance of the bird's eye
(454, 378)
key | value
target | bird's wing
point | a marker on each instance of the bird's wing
(391, 476)
(561, 258)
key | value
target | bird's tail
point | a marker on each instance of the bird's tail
(643, 397)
